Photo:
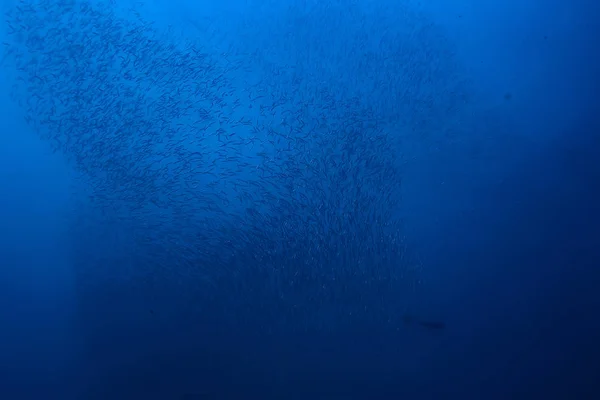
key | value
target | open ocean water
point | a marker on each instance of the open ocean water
(299, 199)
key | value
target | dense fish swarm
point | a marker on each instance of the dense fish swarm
(211, 194)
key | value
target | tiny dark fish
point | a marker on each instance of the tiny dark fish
(429, 324)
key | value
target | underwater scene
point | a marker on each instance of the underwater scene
(299, 199)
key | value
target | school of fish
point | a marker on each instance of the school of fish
(225, 187)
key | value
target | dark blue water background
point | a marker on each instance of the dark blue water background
(299, 199)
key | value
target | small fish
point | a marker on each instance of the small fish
(429, 324)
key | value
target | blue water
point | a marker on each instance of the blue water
(299, 199)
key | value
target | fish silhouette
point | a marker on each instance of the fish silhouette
(429, 324)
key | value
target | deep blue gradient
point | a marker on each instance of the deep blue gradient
(299, 199)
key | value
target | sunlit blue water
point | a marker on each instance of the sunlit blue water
(299, 199)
